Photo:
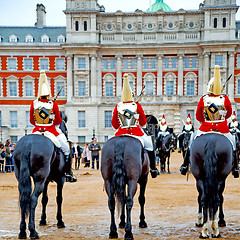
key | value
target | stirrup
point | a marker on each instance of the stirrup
(235, 173)
(183, 170)
(70, 178)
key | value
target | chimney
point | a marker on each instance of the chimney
(41, 16)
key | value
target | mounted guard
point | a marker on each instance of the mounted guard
(213, 110)
(45, 116)
(234, 125)
(163, 129)
(128, 118)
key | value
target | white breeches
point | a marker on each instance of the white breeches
(64, 143)
(147, 142)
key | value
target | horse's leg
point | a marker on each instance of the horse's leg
(111, 205)
(215, 229)
(38, 189)
(168, 162)
(22, 234)
(132, 187)
(162, 164)
(221, 222)
(141, 199)
(122, 217)
(59, 198)
(44, 205)
(199, 222)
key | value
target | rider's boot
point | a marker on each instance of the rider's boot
(69, 174)
(184, 167)
(154, 171)
(235, 169)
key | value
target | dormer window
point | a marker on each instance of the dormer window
(61, 38)
(29, 38)
(45, 39)
(12, 38)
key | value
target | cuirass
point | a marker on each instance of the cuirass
(43, 113)
(127, 114)
(214, 108)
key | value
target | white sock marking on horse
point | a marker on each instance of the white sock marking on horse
(215, 228)
(205, 230)
(199, 219)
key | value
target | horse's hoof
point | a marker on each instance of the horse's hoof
(216, 236)
(60, 224)
(169, 172)
(203, 237)
(34, 235)
(142, 224)
(43, 223)
(22, 235)
(222, 223)
(128, 236)
(113, 234)
(122, 224)
(199, 224)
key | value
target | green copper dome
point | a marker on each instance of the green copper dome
(159, 4)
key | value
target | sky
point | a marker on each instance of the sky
(23, 12)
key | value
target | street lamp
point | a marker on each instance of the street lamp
(25, 129)
(93, 136)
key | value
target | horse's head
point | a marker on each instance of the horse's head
(186, 140)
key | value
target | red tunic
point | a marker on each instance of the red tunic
(208, 126)
(57, 120)
(137, 131)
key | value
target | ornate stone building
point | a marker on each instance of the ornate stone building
(171, 53)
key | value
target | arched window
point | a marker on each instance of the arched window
(76, 26)
(215, 22)
(85, 25)
(224, 23)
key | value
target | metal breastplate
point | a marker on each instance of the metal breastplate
(127, 114)
(214, 108)
(43, 113)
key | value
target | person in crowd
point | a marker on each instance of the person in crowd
(78, 157)
(45, 116)
(8, 156)
(95, 148)
(86, 155)
(2, 157)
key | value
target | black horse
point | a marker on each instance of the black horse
(211, 162)
(185, 142)
(124, 163)
(36, 156)
(164, 145)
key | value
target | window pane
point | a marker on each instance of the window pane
(133, 63)
(81, 63)
(238, 61)
(81, 139)
(174, 63)
(169, 87)
(149, 87)
(13, 116)
(153, 63)
(109, 89)
(166, 63)
(0, 118)
(113, 64)
(186, 62)
(28, 89)
(13, 89)
(28, 124)
(0, 88)
(44, 64)
(190, 88)
(131, 84)
(194, 62)
(219, 60)
(81, 88)
(14, 139)
(238, 87)
(105, 64)
(60, 64)
(81, 119)
(108, 119)
(145, 63)
(12, 64)
(125, 64)
(59, 86)
(28, 64)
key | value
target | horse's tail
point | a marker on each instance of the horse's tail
(24, 186)
(119, 174)
(211, 194)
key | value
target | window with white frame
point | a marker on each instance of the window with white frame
(44, 64)
(81, 119)
(219, 60)
(81, 63)
(28, 86)
(44, 39)
(170, 84)
(28, 124)
(194, 62)
(174, 63)
(105, 64)
(12, 38)
(190, 87)
(238, 86)
(60, 64)
(149, 87)
(125, 64)
(81, 88)
(81, 139)
(109, 89)
(133, 63)
(149, 82)
(108, 119)
(12, 64)
(28, 64)
(186, 62)
(59, 85)
(145, 63)
(13, 89)
(169, 87)
(0, 118)
(108, 85)
(61, 39)
(166, 63)
(13, 119)
(238, 61)
(153, 63)
(28, 38)
(113, 64)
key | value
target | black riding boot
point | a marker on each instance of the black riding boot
(235, 169)
(154, 171)
(184, 167)
(69, 174)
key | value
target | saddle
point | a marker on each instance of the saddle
(51, 136)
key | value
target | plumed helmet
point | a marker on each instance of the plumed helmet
(127, 91)
(188, 120)
(234, 116)
(163, 120)
(44, 89)
(214, 85)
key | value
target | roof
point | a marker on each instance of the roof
(159, 4)
(21, 32)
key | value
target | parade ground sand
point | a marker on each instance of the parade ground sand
(171, 208)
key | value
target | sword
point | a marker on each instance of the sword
(224, 85)
(54, 100)
(140, 94)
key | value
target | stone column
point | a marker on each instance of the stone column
(139, 74)
(206, 75)
(200, 75)
(99, 76)
(159, 73)
(93, 83)
(180, 74)
(119, 75)
(230, 86)
(69, 78)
